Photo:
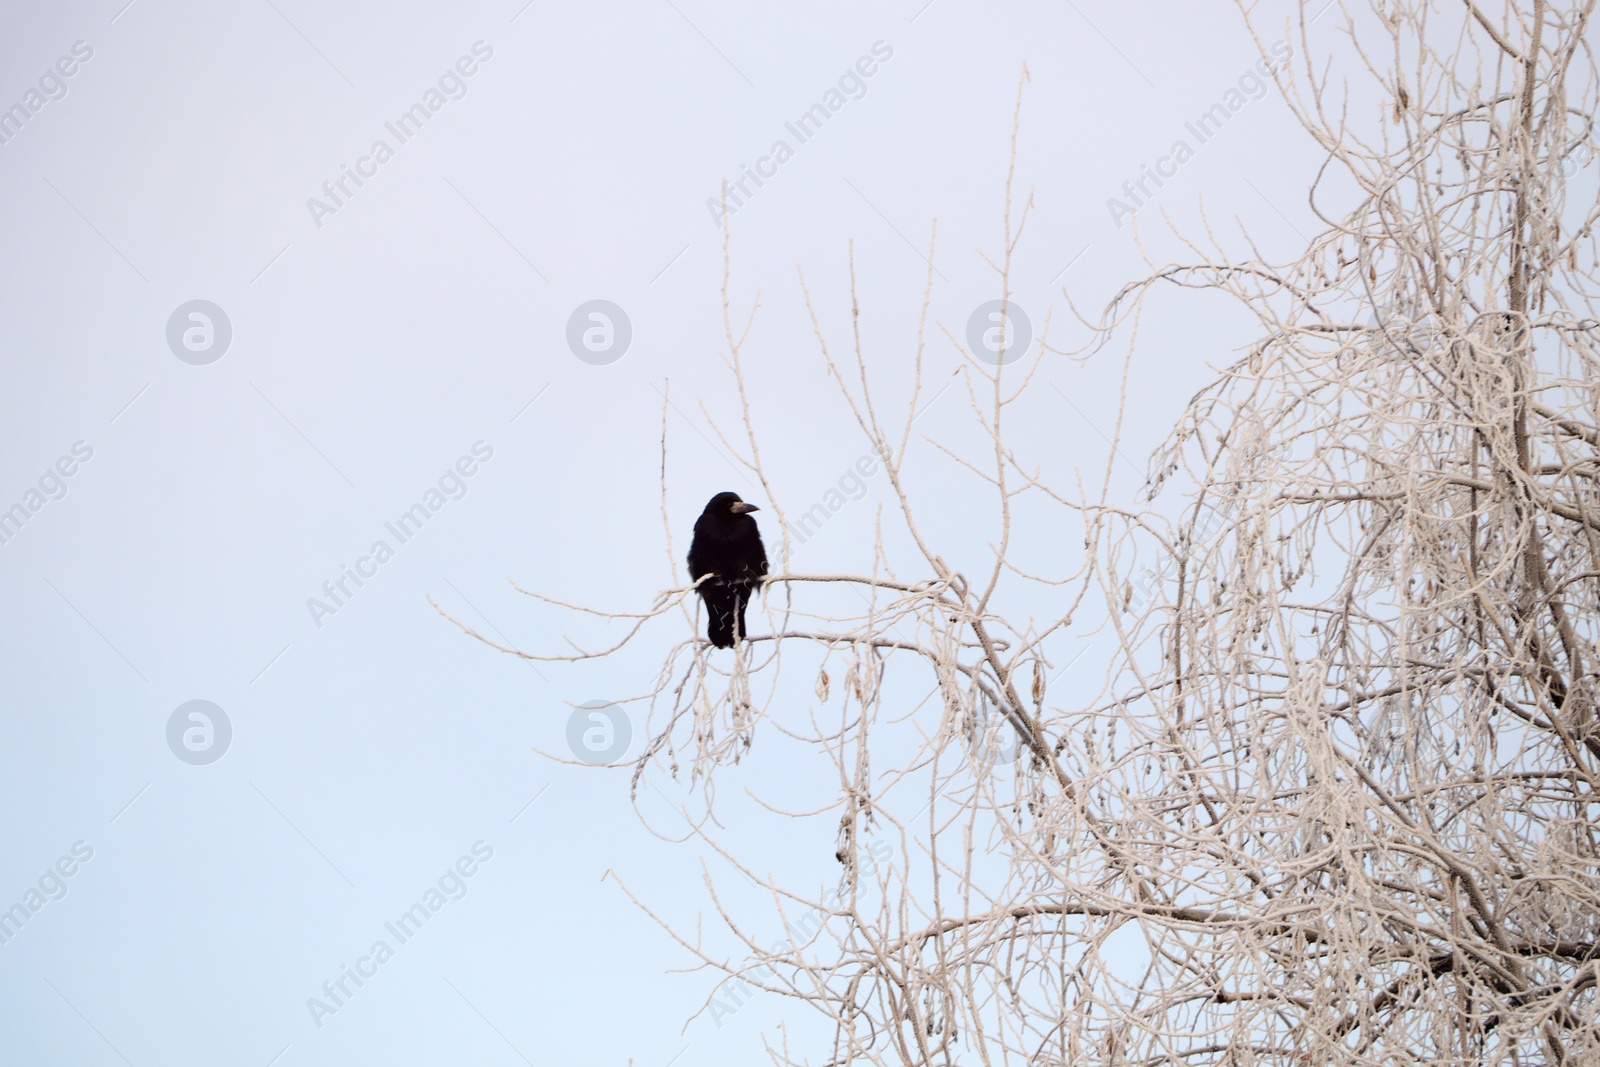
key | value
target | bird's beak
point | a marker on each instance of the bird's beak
(742, 508)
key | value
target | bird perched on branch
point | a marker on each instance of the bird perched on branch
(728, 553)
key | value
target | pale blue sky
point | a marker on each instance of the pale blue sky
(383, 344)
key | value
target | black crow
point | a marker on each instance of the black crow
(727, 546)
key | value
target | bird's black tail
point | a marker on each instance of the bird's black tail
(723, 607)
(721, 629)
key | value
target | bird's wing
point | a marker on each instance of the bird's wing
(698, 563)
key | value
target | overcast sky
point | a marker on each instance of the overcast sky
(287, 281)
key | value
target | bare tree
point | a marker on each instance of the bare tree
(1337, 800)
